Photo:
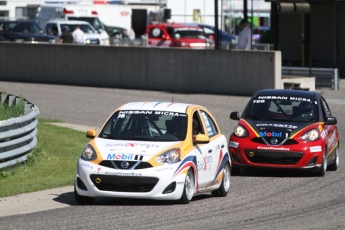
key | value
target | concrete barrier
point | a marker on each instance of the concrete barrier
(177, 70)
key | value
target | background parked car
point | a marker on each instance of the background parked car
(177, 35)
(115, 34)
(91, 36)
(226, 39)
(23, 31)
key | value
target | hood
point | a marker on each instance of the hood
(31, 37)
(277, 129)
(127, 150)
(92, 36)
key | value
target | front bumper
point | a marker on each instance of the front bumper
(246, 154)
(158, 183)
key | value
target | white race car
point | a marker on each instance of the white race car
(154, 150)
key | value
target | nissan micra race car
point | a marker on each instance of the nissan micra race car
(154, 150)
(285, 129)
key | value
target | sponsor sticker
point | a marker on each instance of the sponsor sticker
(273, 148)
(331, 140)
(278, 126)
(315, 149)
(271, 134)
(164, 169)
(120, 157)
(233, 144)
(284, 98)
(122, 173)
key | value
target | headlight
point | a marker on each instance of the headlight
(311, 135)
(89, 153)
(19, 40)
(240, 131)
(87, 41)
(106, 41)
(169, 157)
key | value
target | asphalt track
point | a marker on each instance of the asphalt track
(257, 200)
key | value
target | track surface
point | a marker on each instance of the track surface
(257, 200)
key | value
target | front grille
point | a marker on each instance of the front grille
(133, 165)
(273, 157)
(37, 39)
(124, 183)
(260, 140)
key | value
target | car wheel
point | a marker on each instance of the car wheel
(235, 171)
(323, 169)
(225, 185)
(188, 189)
(334, 165)
(84, 200)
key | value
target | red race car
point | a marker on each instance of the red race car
(285, 129)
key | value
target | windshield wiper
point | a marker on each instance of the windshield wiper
(108, 136)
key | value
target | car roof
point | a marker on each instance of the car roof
(69, 22)
(157, 106)
(175, 25)
(286, 92)
(19, 21)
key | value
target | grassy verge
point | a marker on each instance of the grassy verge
(51, 164)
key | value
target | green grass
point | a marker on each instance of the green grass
(7, 112)
(51, 164)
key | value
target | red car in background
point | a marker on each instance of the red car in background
(177, 35)
(285, 129)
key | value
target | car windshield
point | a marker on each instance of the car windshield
(84, 27)
(294, 109)
(145, 125)
(24, 28)
(94, 21)
(187, 32)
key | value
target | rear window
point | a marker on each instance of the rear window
(186, 32)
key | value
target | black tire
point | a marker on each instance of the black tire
(322, 171)
(83, 200)
(335, 163)
(225, 185)
(188, 188)
(235, 170)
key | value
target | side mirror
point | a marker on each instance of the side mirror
(331, 121)
(91, 133)
(234, 116)
(201, 139)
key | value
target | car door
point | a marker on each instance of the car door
(330, 129)
(213, 155)
(201, 151)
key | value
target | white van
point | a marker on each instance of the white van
(91, 36)
(78, 12)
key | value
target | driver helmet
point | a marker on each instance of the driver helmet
(305, 107)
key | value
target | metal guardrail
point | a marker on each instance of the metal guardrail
(17, 135)
(324, 77)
